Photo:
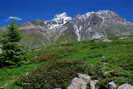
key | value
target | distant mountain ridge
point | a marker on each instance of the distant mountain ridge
(63, 28)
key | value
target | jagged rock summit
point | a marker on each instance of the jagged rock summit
(63, 28)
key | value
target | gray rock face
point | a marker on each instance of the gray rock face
(102, 24)
(82, 82)
(125, 86)
(63, 28)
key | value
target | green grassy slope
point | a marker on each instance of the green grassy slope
(105, 61)
(118, 53)
(9, 75)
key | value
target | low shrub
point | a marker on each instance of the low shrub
(46, 57)
(53, 74)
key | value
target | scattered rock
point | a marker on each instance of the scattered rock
(93, 84)
(78, 83)
(112, 85)
(1, 87)
(85, 77)
(126, 86)
(83, 81)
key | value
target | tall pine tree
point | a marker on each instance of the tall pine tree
(12, 51)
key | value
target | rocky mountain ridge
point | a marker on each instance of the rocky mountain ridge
(92, 25)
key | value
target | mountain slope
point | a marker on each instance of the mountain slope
(63, 28)
(103, 61)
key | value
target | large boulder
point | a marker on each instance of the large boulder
(78, 83)
(83, 81)
(126, 86)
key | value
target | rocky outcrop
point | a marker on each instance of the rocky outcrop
(83, 81)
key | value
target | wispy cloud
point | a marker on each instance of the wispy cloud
(14, 18)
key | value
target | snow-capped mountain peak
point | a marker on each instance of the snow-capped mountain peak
(62, 18)
(100, 13)
(104, 12)
(59, 20)
(100, 25)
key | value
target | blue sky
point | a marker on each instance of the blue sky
(30, 10)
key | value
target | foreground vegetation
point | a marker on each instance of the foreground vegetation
(10, 75)
(56, 65)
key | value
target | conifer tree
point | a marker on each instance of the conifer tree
(12, 51)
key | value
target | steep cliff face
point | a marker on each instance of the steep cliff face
(63, 28)
(97, 25)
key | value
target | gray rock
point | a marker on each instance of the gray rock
(78, 83)
(126, 86)
(93, 84)
(112, 85)
(82, 82)
(85, 77)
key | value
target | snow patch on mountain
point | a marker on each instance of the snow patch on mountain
(77, 31)
(84, 16)
(59, 20)
(62, 18)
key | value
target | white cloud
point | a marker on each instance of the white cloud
(14, 18)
